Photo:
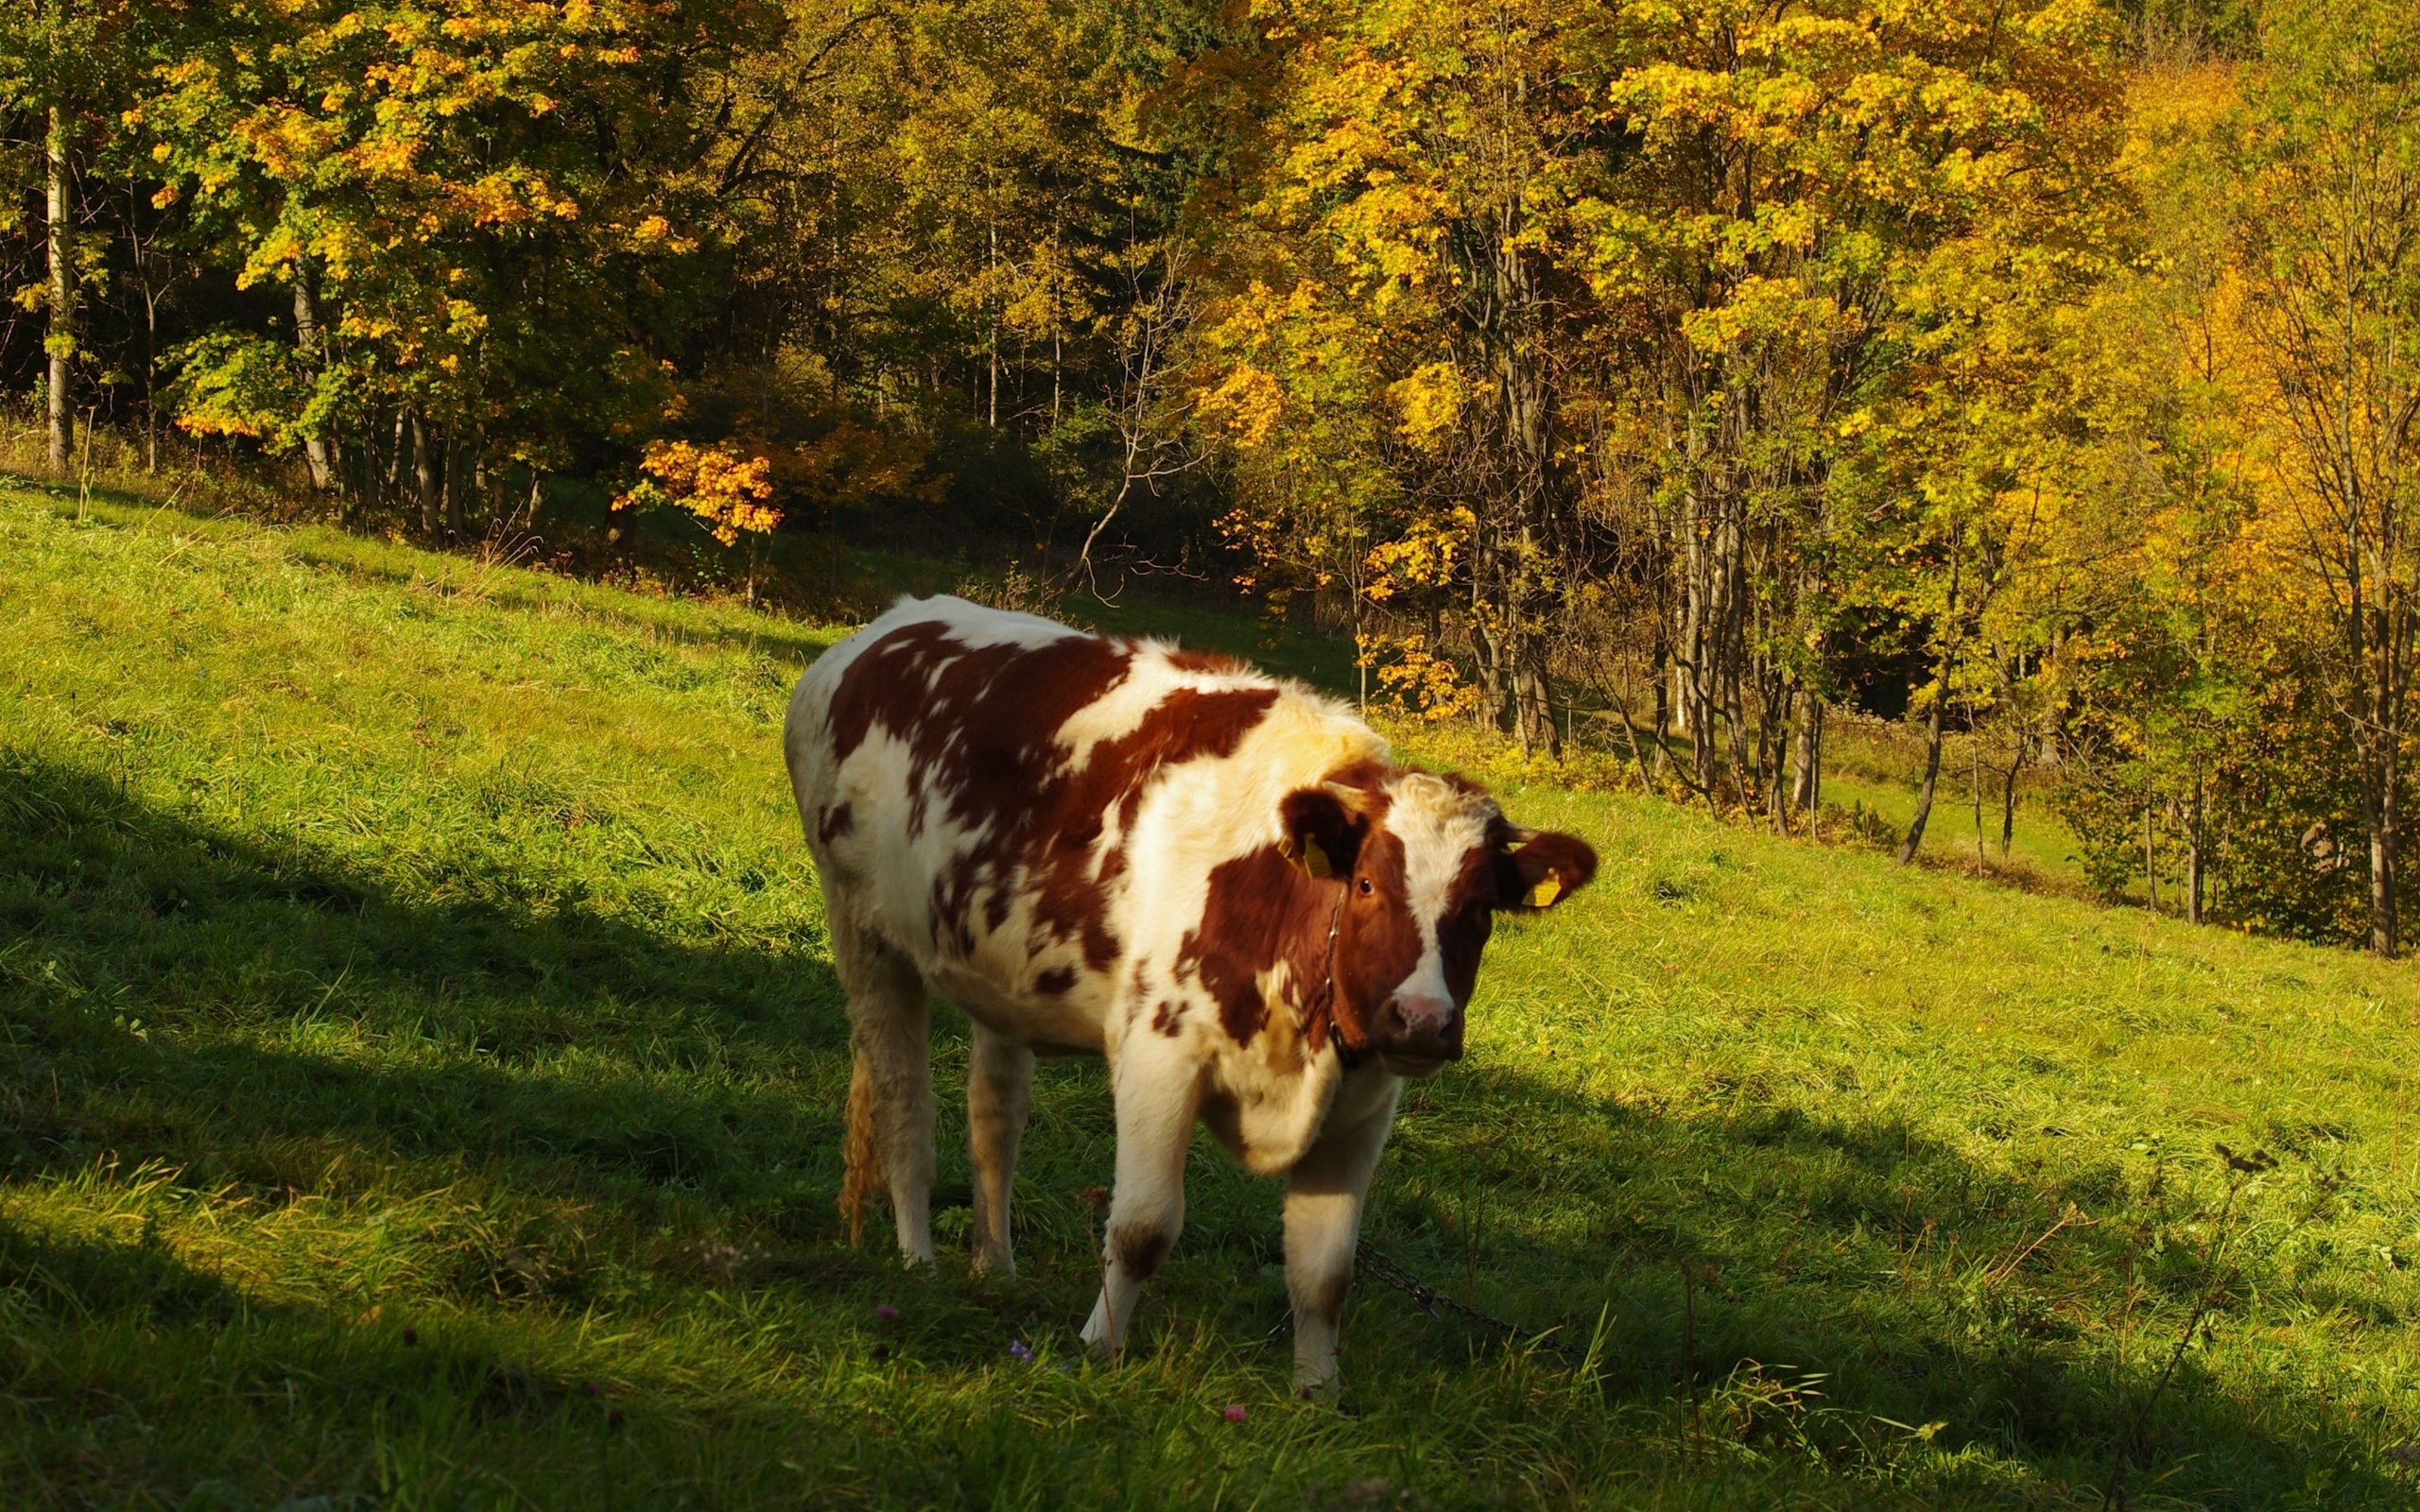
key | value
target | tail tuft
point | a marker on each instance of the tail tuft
(862, 1167)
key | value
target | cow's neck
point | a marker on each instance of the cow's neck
(1270, 1096)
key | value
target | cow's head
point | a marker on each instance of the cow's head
(1424, 863)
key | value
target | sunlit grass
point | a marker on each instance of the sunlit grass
(420, 1074)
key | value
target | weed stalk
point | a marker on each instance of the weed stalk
(2243, 1169)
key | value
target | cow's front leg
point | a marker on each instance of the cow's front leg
(1324, 1195)
(1157, 1093)
(999, 1093)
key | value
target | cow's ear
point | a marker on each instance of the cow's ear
(1538, 869)
(1324, 831)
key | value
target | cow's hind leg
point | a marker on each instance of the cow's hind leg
(891, 1089)
(999, 1093)
(1156, 1099)
(1323, 1196)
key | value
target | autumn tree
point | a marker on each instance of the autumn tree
(1404, 351)
(1833, 223)
(2328, 244)
(67, 63)
(483, 212)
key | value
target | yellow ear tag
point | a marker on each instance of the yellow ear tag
(1549, 887)
(1315, 860)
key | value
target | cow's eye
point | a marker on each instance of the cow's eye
(1366, 888)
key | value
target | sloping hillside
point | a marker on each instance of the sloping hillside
(419, 1070)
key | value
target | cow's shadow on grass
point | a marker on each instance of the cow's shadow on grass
(270, 1028)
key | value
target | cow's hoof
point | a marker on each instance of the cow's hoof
(1324, 1391)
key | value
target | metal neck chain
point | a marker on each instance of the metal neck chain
(1335, 922)
(1368, 1262)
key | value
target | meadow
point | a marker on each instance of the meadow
(419, 1077)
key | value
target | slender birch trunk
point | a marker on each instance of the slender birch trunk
(60, 342)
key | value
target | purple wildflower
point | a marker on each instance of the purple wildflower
(886, 1312)
(1234, 1412)
(1018, 1350)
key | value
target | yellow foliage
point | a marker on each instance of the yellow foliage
(1416, 679)
(1425, 555)
(1246, 403)
(1428, 402)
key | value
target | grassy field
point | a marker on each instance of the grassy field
(420, 1072)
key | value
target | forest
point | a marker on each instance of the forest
(1665, 376)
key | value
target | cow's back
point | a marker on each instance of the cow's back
(1024, 810)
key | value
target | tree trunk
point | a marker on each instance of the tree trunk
(2150, 860)
(425, 471)
(2193, 848)
(1525, 393)
(1942, 702)
(1533, 710)
(2008, 795)
(1729, 658)
(1975, 782)
(2391, 652)
(1487, 639)
(2380, 805)
(1699, 613)
(152, 296)
(60, 342)
(1773, 735)
(1659, 675)
(1932, 767)
(306, 346)
(1807, 759)
(992, 419)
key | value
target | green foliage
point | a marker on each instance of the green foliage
(228, 384)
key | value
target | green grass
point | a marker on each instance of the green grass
(420, 1072)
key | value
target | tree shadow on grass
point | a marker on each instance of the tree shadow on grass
(131, 1377)
(1817, 1288)
(556, 1109)
(186, 996)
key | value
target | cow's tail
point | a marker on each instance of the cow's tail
(861, 1159)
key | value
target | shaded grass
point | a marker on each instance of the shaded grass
(419, 1086)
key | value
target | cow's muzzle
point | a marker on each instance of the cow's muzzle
(1414, 1036)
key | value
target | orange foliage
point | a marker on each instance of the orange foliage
(729, 493)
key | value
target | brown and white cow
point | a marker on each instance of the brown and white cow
(1213, 877)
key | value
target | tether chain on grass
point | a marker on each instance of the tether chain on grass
(1369, 1262)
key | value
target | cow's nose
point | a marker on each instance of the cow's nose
(1422, 1027)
